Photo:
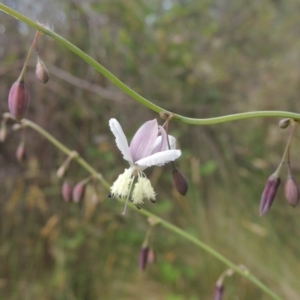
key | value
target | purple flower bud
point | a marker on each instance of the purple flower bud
(179, 181)
(67, 191)
(291, 191)
(18, 100)
(79, 191)
(41, 72)
(151, 258)
(269, 194)
(21, 152)
(219, 292)
(144, 257)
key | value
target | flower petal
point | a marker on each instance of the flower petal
(143, 141)
(161, 143)
(172, 142)
(121, 139)
(159, 158)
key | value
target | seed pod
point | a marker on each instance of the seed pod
(21, 152)
(179, 181)
(284, 123)
(144, 257)
(79, 191)
(41, 71)
(291, 191)
(269, 194)
(18, 100)
(67, 191)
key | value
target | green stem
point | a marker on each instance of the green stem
(132, 93)
(64, 149)
(24, 69)
(162, 222)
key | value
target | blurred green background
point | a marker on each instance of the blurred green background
(196, 58)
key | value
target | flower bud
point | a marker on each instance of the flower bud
(63, 168)
(269, 194)
(41, 71)
(144, 257)
(219, 291)
(21, 152)
(291, 191)
(66, 191)
(151, 258)
(79, 191)
(284, 123)
(3, 131)
(18, 100)
(179, 181)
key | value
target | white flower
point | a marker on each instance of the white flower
(148, 147)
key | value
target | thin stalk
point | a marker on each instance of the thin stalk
(243, 272)
(132, 93)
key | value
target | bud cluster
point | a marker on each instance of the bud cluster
(18, 98)
(291, 189)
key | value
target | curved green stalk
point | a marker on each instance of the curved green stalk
(132, 93)
(162, 222)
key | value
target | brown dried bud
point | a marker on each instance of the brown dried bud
(219, 291)
(144, 257)
(151, 258)
(18, 100)
(291, 191)
(67, 191)
(41, 71)
(284, 123)
(79, 191)
(269, 194)
(179, 181)
(21, 152)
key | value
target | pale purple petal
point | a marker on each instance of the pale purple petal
(143, 141)
(121, 139)
(159, 158)
(172, 142)
(161, 143)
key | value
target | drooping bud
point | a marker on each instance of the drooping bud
(18, 99)
(269, 193)
(219, 290)
(180, 182)
(67, 191)
(63, 168)
(151, 258)
(21, 152)
(144, 257)
(284, 123)
(41, 71)
(291, 191)
(95, 199)
(79, 191)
